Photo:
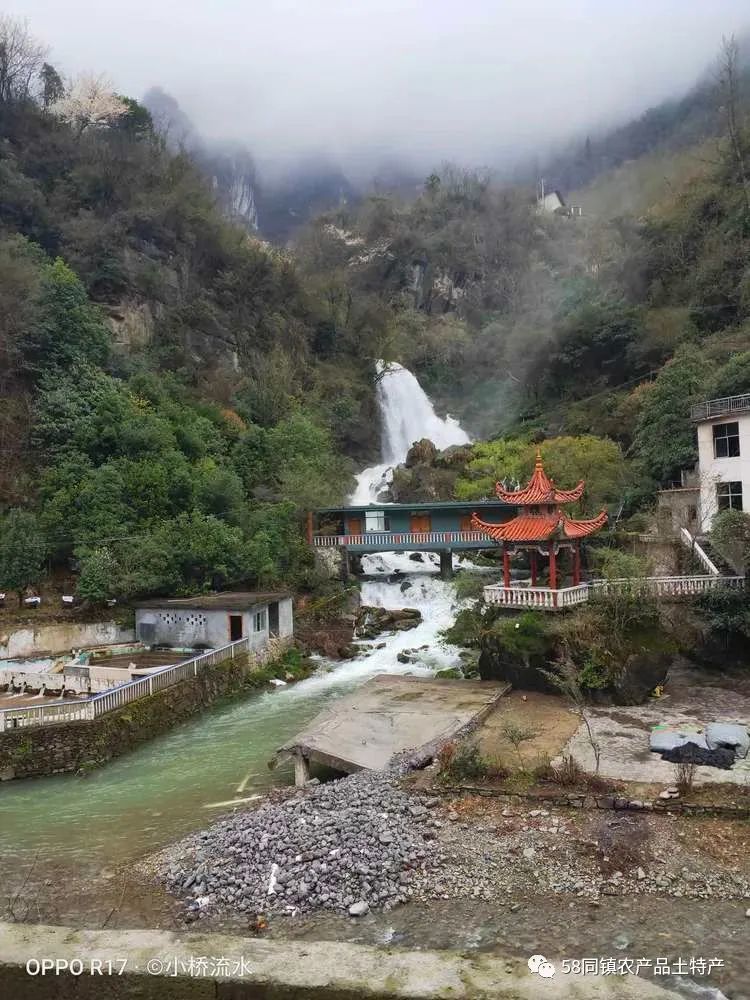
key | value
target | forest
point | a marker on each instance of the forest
(178, 392)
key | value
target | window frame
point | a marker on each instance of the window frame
(727, 497)
(382, 519)
(259, 620)
(727, 445)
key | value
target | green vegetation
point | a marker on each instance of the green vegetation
(22, 552)
(176, 393)
(167, 418)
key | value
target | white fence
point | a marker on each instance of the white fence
(388, 539)
(670, 586)
(659, 586)
(536, 597)
(108, 701)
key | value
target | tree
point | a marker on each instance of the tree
(52, 86)
(664, 437)
(98, 576)
(730, 533)
(90, 103)
(567, 679)
(567, 460)
(69, 329)
(22, 551)
(729, 86)
(20, 58)
(137, 118)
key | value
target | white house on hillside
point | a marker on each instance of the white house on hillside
(723, 427)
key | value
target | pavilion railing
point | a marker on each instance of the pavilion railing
(536, 597)
(382, 539)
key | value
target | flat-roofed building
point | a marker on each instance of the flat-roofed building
(214, 620)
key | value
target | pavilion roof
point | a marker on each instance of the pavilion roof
(540, 527)
(539, 489)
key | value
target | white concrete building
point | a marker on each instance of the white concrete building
(214, 620)
(723, 427)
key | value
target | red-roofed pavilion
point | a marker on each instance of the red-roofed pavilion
(542, 527)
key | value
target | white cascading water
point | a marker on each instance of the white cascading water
(406, 416)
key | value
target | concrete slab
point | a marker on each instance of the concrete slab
(692, 698)
(387, 716)
(165, 965)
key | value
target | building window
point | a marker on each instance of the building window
(375, 520)
(729, 496)
(259, 621)
(727, 440)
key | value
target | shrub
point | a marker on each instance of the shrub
(463, 762)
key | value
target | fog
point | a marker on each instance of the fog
(479, 81)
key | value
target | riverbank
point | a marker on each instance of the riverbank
(81, 747)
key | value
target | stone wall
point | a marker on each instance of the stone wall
(583, 800)
(73, 746)
(31, 640)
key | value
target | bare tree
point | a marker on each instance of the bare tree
(565, 678)
(728, 79)
(21, 57)
(90, 103)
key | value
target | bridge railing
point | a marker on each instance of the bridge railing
(108, 701)
(383, 539)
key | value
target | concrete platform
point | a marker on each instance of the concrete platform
(166, 965)
(387, 716)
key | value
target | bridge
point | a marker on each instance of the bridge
(441, 526)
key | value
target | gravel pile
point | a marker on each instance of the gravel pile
(347, 845)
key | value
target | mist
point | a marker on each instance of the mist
(366, 81)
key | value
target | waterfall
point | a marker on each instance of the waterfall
(406, 416)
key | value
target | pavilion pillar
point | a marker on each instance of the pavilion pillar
(577, 564)
(532, 560)
(309, 527)
(552, 567)
(506, 566)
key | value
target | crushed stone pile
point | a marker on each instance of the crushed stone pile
(347, 845)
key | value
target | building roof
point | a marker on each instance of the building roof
(540, 527)
(239, 601)
(539, 489)
(422, 505)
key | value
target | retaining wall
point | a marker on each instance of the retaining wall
(581, 800)
(73, 746)
(61, 637)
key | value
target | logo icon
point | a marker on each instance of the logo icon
(539, 966)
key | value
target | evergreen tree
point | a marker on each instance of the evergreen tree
(22, 551)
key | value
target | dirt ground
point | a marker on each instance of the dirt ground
(546, 714)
